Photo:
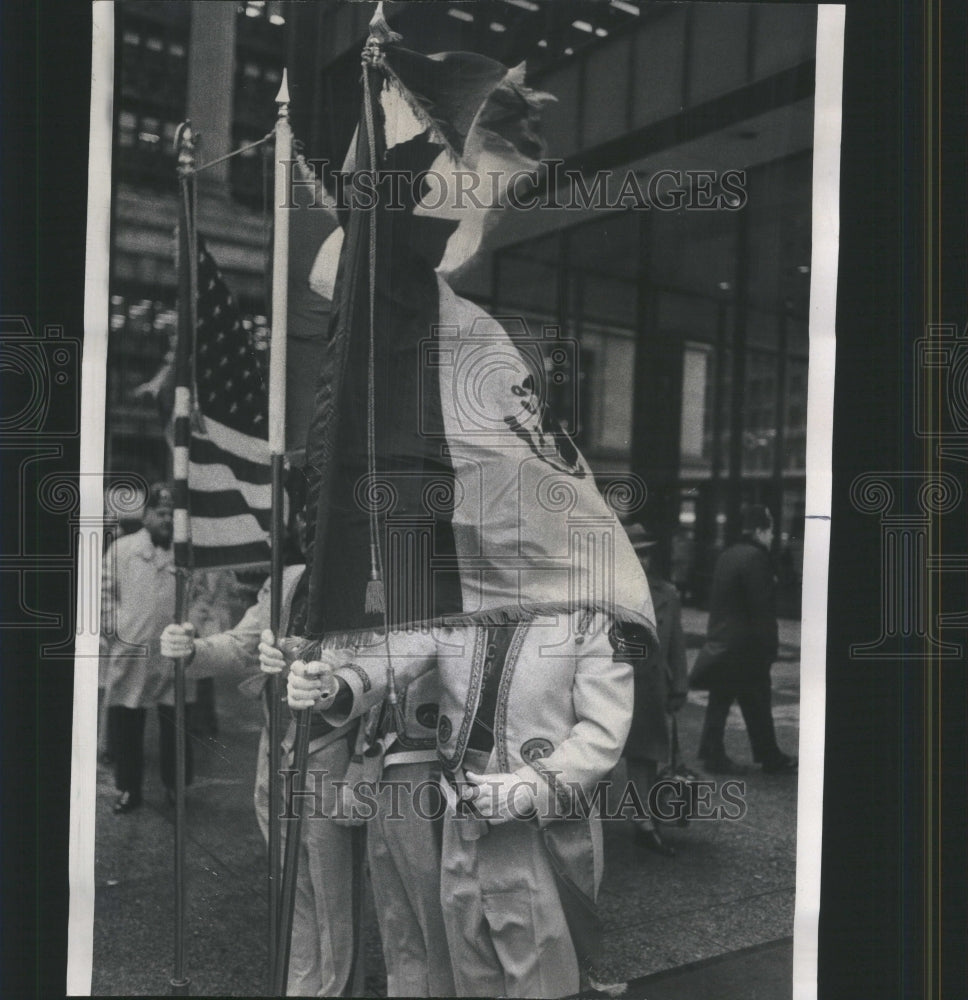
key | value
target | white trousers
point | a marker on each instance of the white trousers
(321, 955)
(505, 924)
(403, 846)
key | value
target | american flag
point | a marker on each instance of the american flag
(229, 482)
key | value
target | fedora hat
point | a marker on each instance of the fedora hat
(641, 539)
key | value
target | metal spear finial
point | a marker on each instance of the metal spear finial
(380, 34)
(282, 98)
(378, 22)
(185, 139)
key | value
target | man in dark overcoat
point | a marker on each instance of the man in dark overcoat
(660, 690)
(743, 629)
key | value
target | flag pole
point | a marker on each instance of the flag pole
(287, 904)
(181, 535)
(277, 452)
(379, 30)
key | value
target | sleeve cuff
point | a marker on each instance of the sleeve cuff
(553, 800)
(195, 662)
(349, 701)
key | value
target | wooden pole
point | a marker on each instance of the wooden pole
(287, 902)
(379, 30)
(277, 449)
(181, 535)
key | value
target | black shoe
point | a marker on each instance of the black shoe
(598, 988)
(648, 837)
(721, 764)
(781, 764)
(126, 802)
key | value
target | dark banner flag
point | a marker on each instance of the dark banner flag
(434, 461)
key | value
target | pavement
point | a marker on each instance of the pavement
(714, 921)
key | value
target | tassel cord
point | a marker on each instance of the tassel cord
(376, 593)
(375, 566)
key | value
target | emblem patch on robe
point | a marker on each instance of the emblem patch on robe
(444, 728)
(536, 748)
(427, 715)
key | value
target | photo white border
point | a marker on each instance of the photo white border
(820, 415)
(80, 926)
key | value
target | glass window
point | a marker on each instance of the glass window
(762, 327)
(690, 316)
(693, 252)
(759, 413)
(693, 448)
(681, 297)
(719, 426)
(528, 284)
(784, 36)
(604, 119)
(795, 422)
(780, 236)
(658, 66)
(607, 247)
(720, 35)
(605, 396)
(609, 299)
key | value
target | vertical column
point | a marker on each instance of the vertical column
(656, 418)
(211, 88)
(706, 524)
(734, 488)
(719, 372)
(779, 441)
(563, 291)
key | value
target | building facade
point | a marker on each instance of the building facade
(670, 247)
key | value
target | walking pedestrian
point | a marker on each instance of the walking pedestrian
(741, 645)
